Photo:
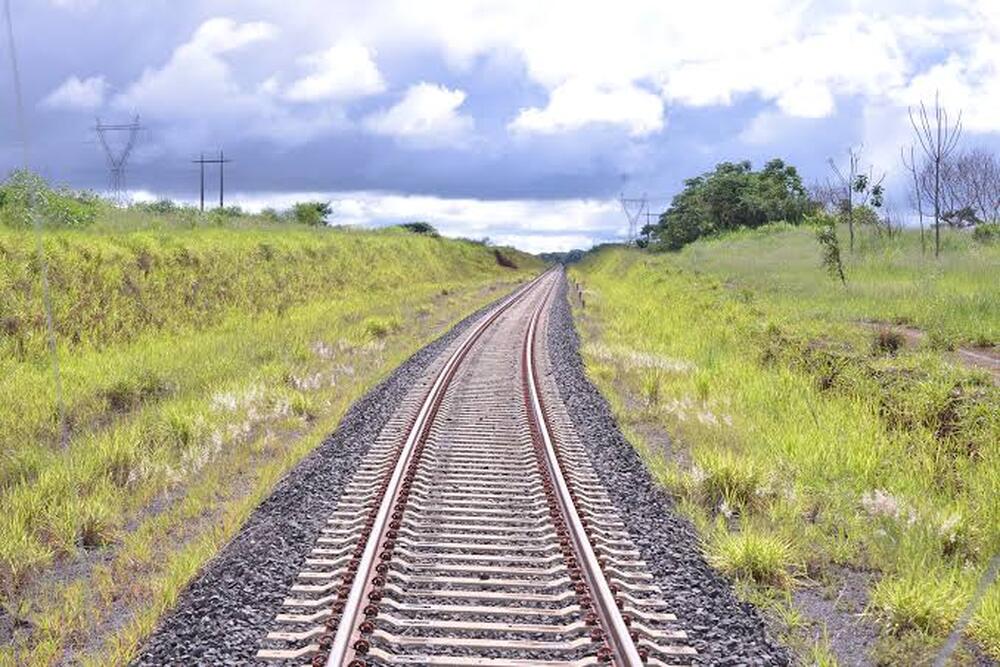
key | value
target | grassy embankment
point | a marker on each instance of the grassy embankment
(804, 445)
(198, 366)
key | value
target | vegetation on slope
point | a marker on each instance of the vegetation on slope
(801, 447)
(197, 366)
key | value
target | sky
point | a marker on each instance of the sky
(518, 120)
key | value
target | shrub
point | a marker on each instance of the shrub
(987, 232)
(160, 206)
(379, 327)
(503, 260)
(312, 213)
(830, 245)
(24, 194)
(888, 341)
(420, 228)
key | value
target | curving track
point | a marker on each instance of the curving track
(475, 531)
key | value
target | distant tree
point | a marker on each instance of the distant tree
(972, 181)
(733, 196)
(230, 211)
(938, 138)
(161, 206)
(313, 213)
(420, 228)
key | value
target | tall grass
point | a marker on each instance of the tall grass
(790, 426)
(954, 298)
(198, 366)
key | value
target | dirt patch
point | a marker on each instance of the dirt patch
(835, 610)
(971, 356)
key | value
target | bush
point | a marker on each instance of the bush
(503, 260)
(987, 232)
(380, 327)
(312, 213)
(888, 341)
(160, 206)
(420, 228)
(25, 193)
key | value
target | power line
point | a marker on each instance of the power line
(118, 159)
(36, 223)
(222, 160)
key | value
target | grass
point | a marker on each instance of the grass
(197, 367)
(953, 298)
(801, 441)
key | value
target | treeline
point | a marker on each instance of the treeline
(948, 185)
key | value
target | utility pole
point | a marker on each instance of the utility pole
(222, 180)
(117, 159)
(201, 163)
(221, 161)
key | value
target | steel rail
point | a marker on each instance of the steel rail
(343, 648)
(623, 648)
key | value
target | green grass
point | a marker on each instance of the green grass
(198, 366)
(799, 445)
(954, 298)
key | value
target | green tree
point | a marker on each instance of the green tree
(312, 213)
(733, 196)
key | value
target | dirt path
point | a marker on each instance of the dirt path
(981, 358)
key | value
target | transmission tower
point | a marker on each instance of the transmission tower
(118, 154)
(633, 208)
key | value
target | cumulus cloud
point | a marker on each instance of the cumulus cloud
(799, 57)
(77, 94)
(345, 70)
(428, 114)
(576, 103)
(197, 79)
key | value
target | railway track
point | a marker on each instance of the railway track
(475, 531)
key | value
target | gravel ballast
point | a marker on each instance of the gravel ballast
(223, 614)
(723, 629)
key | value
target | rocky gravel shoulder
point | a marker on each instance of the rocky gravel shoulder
(723, 629)
(223, 614)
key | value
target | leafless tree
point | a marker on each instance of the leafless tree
(975, 183)
(938, 138)
(827, 195)
(917, 193)
(858, 187)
